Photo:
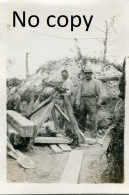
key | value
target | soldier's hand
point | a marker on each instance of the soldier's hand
(98, 104)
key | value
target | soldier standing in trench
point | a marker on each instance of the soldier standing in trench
(67, 84)
(88, 100)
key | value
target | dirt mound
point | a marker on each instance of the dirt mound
(51, 72)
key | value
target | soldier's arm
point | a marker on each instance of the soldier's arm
(79, 93)
(68, 85)
(99, 92)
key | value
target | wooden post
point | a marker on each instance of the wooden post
(38, 107)
(30, 107)
(40, 114)
(68, 120)
(62, 113)
(72, 119)
(55, 119)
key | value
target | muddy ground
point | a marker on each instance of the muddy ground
(50, 166)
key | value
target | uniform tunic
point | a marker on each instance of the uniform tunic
(68, 84)
(88, 95)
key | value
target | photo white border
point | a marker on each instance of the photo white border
(39, 188)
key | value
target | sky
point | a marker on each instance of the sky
(44, 43)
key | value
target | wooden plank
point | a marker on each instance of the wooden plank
(38, 107)
(72, 168)
(55, 119)
(52, 140)
(90, 141)
(72, 119)
(61, 112)
(65, 147)
(10, 153)
(109, 78)
(56, 149)
(25, 127)
(68, 121)
(11, 130)
(42, 115)
(30, 107)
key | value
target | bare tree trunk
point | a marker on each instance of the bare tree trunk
(27, 68)
(116, 66)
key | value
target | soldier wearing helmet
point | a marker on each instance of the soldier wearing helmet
(89, 98)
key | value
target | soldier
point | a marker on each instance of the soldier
(89, 98)
(68, 84)
(13, 101)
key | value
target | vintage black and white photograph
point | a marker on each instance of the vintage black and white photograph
(66, 67)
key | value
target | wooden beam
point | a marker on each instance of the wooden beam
(109, 78)
(25, 127)
(42, 115)
(55, 119)
(30, 107)
(67, 119)
(72, 168)
(44, 103)
(10, 153)
(116, 66)
(65, 147)
(52, 140)
(61, 112)
(90, 141)
(72, 119)
(38, 107)
(56, 149)
(11, 130)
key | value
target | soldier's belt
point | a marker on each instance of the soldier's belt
(86, 96)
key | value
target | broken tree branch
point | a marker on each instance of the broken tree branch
(118, 67)
(109, 78)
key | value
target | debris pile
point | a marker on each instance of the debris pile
(50, 72)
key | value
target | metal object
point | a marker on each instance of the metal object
(22, 159)
(100, 141)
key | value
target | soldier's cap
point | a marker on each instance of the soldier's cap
(88, 69)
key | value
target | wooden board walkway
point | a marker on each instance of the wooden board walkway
(72, 169)
(56, 149)
(52, 140)
(11, 130)
(65, 147)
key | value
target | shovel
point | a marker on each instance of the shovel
(22, 159)
(100, 141)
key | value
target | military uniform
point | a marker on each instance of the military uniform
(68, 84)
(88, 96)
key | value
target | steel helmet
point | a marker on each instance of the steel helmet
(88, 69)
(48, 91)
